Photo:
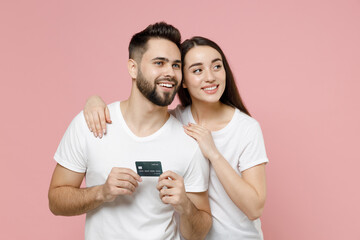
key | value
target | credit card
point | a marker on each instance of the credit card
(148, 168)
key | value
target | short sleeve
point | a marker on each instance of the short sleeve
(254, 152)
(71, 150)
(196, 178)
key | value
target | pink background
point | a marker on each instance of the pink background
(297, 64)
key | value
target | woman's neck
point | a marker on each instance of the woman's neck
(213, 116)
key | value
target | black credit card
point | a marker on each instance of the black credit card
(148, 168)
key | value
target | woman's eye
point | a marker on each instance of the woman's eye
(217, 66)
(197, 71)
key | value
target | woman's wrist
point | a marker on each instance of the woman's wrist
(215, 156)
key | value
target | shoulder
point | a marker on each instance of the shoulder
(179, 135)
(244, 121)
(181, 113)
(79, 123)
(113, 107)
(244, 126)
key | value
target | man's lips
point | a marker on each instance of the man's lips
(166, 84)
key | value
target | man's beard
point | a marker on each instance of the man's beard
(150, 92)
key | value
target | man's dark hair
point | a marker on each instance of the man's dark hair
(161, 30)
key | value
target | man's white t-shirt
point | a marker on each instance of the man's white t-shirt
(241, 144)
(142, 215)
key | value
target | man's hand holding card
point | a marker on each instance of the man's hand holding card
(172, 191)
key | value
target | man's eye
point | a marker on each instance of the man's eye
(176, 66)
(159, 63)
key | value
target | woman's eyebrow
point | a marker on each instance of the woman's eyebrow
(198, 64)
(195, 64)
(216, 59)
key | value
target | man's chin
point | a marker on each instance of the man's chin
(162, 103)
(166, 99)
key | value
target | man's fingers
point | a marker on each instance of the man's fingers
(128, 178)
(122, 191)
(128, 171)
(165, 183)
(169, 192)
(127, 185)
(169, 199)
(169, 174)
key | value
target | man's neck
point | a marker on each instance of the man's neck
(142, 116)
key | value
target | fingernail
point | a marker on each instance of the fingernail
(104, 131)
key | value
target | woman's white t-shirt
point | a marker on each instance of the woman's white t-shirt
(241, 144)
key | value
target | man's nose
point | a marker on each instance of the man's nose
(169, 71)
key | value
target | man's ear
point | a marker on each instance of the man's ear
(132, 68)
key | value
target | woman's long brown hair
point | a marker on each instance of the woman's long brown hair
(231, 94)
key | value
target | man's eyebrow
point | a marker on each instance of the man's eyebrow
(161, 59)
(198, 64)
(165, 60)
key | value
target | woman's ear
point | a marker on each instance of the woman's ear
(132, 68)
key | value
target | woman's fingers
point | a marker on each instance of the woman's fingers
(97, 129)
(107, 115)
(191, 133)
(87, 121)
(102, 121)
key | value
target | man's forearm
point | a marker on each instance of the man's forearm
(71, 201)
(195, 223)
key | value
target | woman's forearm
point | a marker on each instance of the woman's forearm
(247, 193)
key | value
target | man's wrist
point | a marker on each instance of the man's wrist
(188, 208)
(99, 197)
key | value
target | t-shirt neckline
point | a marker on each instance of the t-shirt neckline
(135, 137)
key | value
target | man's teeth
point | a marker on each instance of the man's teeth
(166, 85)
(210, 88)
